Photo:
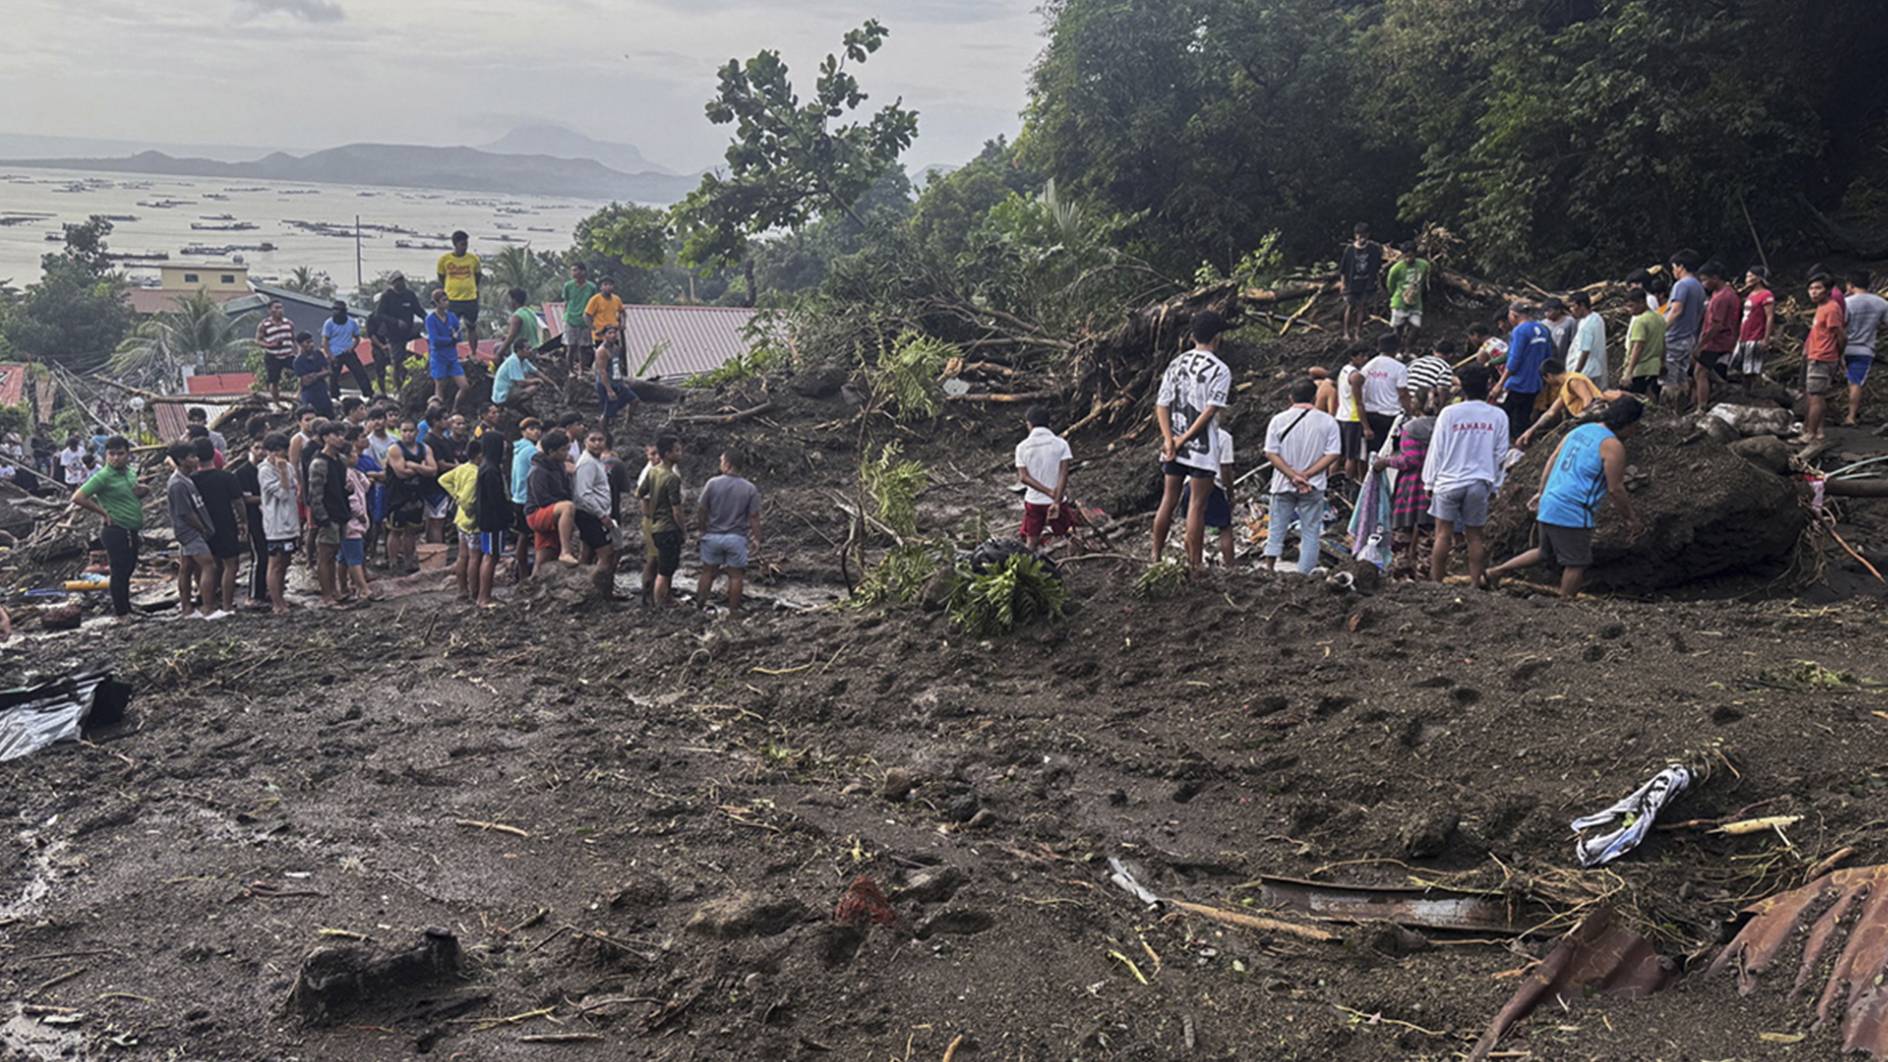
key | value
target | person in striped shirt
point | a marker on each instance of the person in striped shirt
(1432, 377)
(276, 336)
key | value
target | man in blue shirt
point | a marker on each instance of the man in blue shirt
(1684, 320)
(1530, 346)
(311, 368)
(340, 334)
(443, 331)
(1587, 466)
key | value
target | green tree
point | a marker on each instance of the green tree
(791, 161)
(309, 281)
(76, 312)
(196, 333)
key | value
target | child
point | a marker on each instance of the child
(1219, 505)
(1042, 467)
(280, 489)
(359, 520)
(190, 523)
(1409, 502)
(493, 514)
(461, 483)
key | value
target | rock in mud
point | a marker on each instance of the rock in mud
(333, 981)
(1766, 452)
(897, 784)
(746, 915)
(1431, 835)
(955, 921)
(934, 885)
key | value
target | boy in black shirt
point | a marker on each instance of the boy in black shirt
(221, 494)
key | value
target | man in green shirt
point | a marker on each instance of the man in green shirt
(1409, 277)
(577, 293)
(113, 492)
(1645, 345)
(661, 495)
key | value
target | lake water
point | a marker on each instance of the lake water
(164, 208)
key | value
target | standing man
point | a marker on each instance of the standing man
(113, 493)
(1350, 411)
(444, 329)
(280, 485)
(400, 314)
(661, 496)
(410, 482)
(1684, 321)
(459, 278)
(1463, 471)
(1043, 460)
(1644, 363)
(198, 415)
(604, 311)
(1193, 390)
(221, 495)
(1760, 319)
(328, 506)
(1589, 464)
(1530, 346)
(340, 335)
(311, 368)
(1409, 279)
(1358, 267)
(1587, 356)
(1560, 325)
(523, 452)
(1383, 391)
(72, 470)
(1828, 338)
(1717, 337)
(1865, 311)
(1431, 378)
(1301, 443)
(596, 527)
(728, 519)
(190, 525)
(577, 294)
(275, 334)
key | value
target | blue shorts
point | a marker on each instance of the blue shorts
(1218, 507)
(1858, 368)
(354, 552)
(489, 543)
(444, 365)
(724, 551)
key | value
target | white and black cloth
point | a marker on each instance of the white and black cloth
(1629, 819)
(1194, 382)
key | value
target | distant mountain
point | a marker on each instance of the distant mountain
(32, 146)
(410, 166)
(558, 142)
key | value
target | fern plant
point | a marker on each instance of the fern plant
(1015, 594)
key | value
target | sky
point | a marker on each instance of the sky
(308, 74)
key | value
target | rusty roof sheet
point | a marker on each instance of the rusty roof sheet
(684, 340)
(12, 384)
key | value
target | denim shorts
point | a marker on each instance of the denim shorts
(354, 552)
(724, 551)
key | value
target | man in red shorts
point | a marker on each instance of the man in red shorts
(1042, 467)
(548, 509)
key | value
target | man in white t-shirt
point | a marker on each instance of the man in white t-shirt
(1302, 443)
(1195, 387)
(1383, 388)
(1042, 467)
(1463, 470)
(72, 462)
(1588, 354)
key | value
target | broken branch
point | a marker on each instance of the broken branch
(1263, 925)
(478, 824)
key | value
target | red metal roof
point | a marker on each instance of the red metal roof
(553, 314)
(220, 383)
(685, 340)
(12, 384)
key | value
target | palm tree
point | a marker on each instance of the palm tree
(310, 282)
(515, 266)
(196, 332)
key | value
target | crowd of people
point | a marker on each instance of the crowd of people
(359, 497)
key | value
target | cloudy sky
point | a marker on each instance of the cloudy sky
(304, 74)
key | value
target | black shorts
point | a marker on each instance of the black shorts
(1359, 296)
(1646, 385)
(226, 546)
(1568, 547)
(276, 368)
(592, 531)
(1380, 424)
(520, 523)
(468, 311)
(665, 548)
(1712, 360)
(1350, 439)
(1175, 468)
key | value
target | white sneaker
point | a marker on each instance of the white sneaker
(219, 614)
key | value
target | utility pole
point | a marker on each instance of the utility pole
(359, 280)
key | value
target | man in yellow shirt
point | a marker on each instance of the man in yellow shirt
(459, 275)
(605, 311)
(1572, 393)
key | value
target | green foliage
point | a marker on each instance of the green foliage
(1161, 579)
(1258, 268)
(196, 332)
(76, 313)
(791, 160)
(894, 487)
(901, 576)
(1015, 594)
(309, 281)
(905, 377)
(757, 362)
(15, 419)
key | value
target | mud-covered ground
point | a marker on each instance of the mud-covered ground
(637, 826)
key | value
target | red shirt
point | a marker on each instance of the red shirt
(1722, 315)
(1823, 343)
(1756, 322)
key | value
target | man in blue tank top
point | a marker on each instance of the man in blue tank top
(1589, 465)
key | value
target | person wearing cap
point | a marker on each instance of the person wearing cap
(340, 335)
(1760, 319)
(397, 313)
(459, 276)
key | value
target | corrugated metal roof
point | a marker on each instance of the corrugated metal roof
(220, 383)
(553, 315)
(685, 340)
(12, 384)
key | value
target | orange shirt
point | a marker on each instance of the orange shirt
(1824, 342)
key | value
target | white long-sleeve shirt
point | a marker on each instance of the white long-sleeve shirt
(1469, 442)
